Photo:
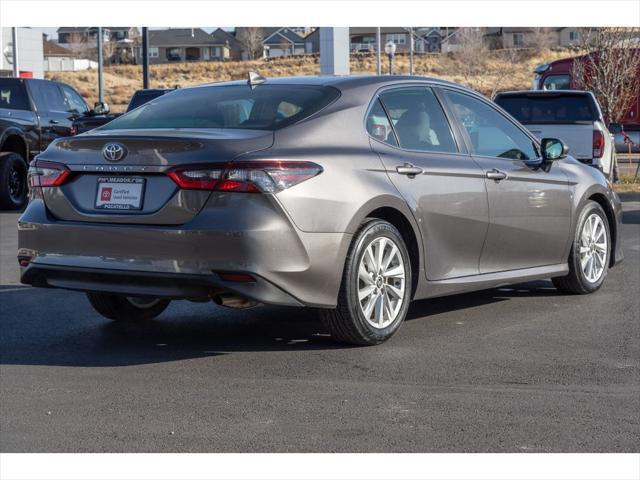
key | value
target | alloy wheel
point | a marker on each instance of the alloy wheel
(593, 248)
(381, 282)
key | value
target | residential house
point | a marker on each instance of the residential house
(363, 39)
(282, 42)
(529, 37)
(182, 45)
(60, 59)
(225, 46)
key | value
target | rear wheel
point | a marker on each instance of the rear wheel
(127, 309)
(590, 252)
(376, 287)
(13, 181)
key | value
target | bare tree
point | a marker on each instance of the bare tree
(471, 52)
(108, 51)
(251, 39)
(541, 38)
(610, 68)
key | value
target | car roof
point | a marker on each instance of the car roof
(343, 82)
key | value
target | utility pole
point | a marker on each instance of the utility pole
(145, 57)
(378, 52)
(100, 96)
(411, 51)
(14, 39)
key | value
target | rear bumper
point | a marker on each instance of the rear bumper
(253, 236)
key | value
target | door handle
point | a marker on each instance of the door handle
(408, 169)
(54, 122)
(496, 175)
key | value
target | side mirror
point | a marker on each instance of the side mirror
(615, 128)
(100, 108)
(553, 149)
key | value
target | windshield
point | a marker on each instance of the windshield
(563, 109)
(266, 107)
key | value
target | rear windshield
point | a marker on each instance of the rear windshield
(140, 98)
(552, 109)
(266, 107)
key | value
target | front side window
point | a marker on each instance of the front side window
(266, 107)
(75, 101)
(418, 120)
(491, 134)
(52, 97)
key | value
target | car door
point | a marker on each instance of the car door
(427, 162)
(529, 202)
(56, 119)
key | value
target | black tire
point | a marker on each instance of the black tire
(13, 181)
(576, 282)
(347, 323)
(121, 308)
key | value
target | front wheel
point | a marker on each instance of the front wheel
(127, 309)
(376, 287)
(590, 252)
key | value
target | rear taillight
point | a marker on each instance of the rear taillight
(47, 174)
(249, 177)
(598, 143)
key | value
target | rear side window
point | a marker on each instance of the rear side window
(266, 107)
(418, 120)
(555, 108)
(378, 125)
(556, 82)
(14, 97)
(490, 132)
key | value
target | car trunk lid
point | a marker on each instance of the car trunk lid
(120, 176)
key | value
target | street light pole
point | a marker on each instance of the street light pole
(145, 57)
(411, 51)
(100, 97)
(14, 39)
(390, 50)
(378, 49)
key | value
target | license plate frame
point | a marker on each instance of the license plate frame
(136, 185)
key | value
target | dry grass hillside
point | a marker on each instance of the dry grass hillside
(487, 73)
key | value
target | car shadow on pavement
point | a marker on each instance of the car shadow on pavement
(56, 328)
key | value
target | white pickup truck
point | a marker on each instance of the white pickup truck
(573, 116)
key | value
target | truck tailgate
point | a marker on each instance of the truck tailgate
(578, 136)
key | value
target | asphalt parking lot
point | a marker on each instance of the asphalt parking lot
(520, 369)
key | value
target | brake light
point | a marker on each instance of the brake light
(47, 174)
(248, 177)
(598, 143)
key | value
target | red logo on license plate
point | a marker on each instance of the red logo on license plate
(105, 195)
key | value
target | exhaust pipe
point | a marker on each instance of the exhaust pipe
(231, 300)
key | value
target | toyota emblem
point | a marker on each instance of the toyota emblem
(113, 152)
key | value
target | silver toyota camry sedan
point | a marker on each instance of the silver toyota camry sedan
(354, 195)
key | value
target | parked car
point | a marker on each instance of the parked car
(571, 115)
(353, 195)
(140, 97)
(32, 114)
(558, 75)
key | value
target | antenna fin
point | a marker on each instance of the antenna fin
(254, 79)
